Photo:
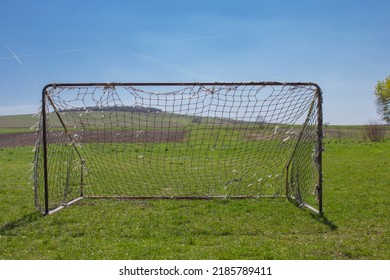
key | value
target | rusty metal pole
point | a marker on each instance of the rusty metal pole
(44, 142)
(320, 149)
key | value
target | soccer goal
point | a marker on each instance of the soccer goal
(179, 141)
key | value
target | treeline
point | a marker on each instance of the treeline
(132, 109)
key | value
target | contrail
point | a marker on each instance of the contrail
(88, 49)
(47, 53)
(21, 64)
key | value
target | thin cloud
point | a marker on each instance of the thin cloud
(175, 68)
(201, 38)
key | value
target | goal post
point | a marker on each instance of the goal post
(179, 141)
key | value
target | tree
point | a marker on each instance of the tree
(382, 95)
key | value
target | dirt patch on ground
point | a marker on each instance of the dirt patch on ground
(152, 136)
(18, 139)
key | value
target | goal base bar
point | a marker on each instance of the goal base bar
(64, 205)
(185, 197)
(303, 205)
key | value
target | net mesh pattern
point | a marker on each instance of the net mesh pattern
(198, 140)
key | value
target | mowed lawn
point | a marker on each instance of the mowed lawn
(356, 223)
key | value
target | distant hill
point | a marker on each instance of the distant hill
(18, 121)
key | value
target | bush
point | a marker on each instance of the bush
(374, 131)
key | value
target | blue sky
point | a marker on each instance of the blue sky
(344, 46)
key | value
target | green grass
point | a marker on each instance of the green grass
(356, 201)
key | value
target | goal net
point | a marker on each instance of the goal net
(179, 140)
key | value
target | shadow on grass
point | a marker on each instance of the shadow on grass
(324, 220)
(321, 218)
(23, 221)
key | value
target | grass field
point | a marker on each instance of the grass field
(18, 123)
(356, 223)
